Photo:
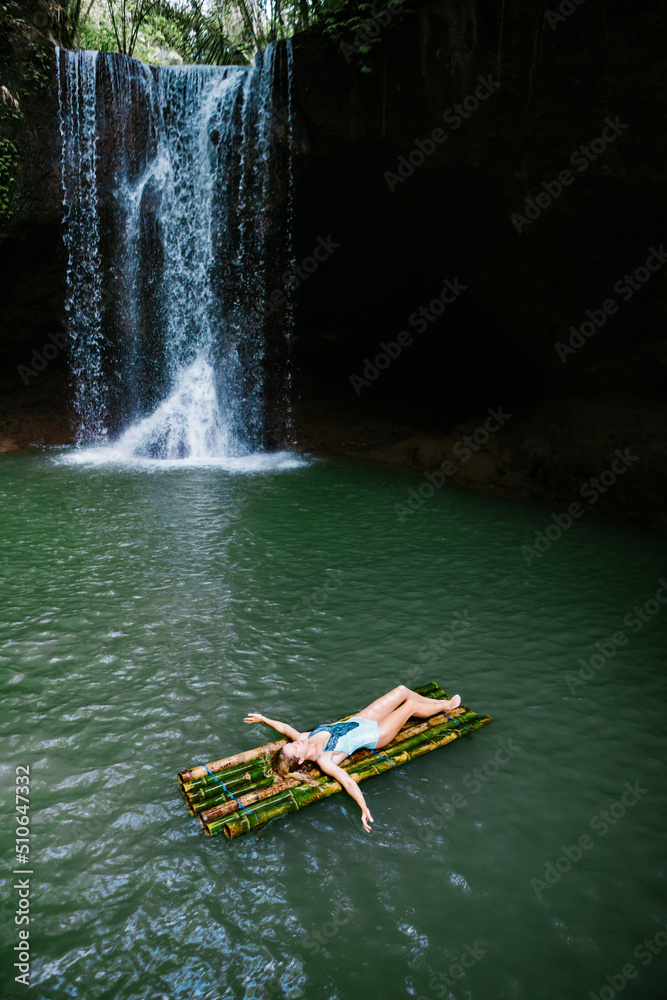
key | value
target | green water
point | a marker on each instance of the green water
(145, 611)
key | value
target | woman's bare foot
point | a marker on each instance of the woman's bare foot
(452, 703)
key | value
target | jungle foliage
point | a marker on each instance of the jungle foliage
(223, 31)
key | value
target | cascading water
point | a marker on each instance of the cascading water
(178, 197)
(83, 308)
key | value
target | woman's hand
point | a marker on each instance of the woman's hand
(366, 819)
(347, 782)
(254, 717)
(280, 727)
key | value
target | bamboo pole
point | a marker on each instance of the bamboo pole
(237, 758)
(200, 772)
(258, 793)
(239, 779)
(215, 791)
(248, 776)
(292, 798)
(207, 805)
(205, 790)
(247, 800)
(238, 823)
(236, 772)
(405, 739)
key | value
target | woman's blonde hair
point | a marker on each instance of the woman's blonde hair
(283, 767)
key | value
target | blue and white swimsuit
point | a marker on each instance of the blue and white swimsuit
(348, 736)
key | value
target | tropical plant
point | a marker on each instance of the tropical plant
(127, 16)
(227, 31)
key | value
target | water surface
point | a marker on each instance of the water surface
(146, 609)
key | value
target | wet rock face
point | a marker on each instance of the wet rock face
(514, 155)
(31, 258)
(34, 380)
(520, 159)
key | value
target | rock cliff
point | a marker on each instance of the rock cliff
(493, 193)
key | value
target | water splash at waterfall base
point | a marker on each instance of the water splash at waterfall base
(177, 196)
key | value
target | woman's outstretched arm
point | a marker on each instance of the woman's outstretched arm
(280, 727)
(350, 786)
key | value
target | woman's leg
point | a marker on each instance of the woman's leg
(382, 707)
(390, 725)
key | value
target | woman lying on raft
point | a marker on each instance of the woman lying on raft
(331, 743)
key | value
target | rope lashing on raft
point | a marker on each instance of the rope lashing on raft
(218, 811)
(231, 794)
(458, 723)
(377, 754)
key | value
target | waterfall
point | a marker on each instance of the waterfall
(178, 214)
(83, 307)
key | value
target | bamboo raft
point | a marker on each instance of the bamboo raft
(240, 793)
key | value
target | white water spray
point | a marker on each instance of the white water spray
(173, 231)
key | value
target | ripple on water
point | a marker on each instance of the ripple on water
(149, 610)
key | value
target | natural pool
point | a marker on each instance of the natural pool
(146, 609)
